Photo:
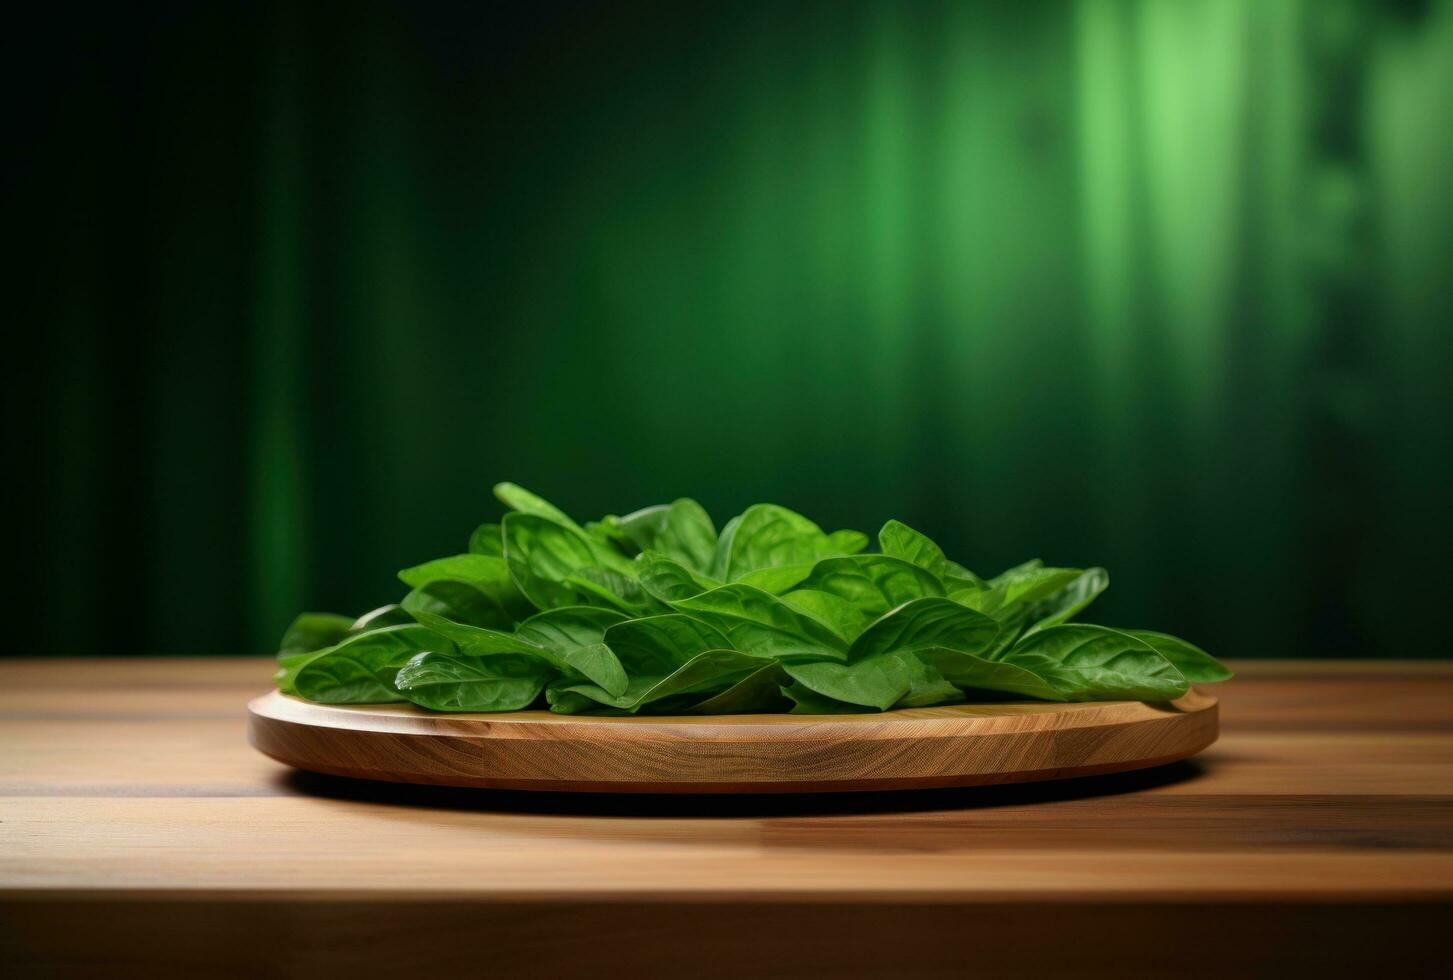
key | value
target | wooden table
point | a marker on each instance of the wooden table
(140, 834)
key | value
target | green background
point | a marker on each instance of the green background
(1163, 286)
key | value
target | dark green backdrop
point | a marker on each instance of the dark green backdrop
(1163, 286)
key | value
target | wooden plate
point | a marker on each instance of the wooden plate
(955, 745)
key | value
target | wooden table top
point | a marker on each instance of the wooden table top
(1318, 832)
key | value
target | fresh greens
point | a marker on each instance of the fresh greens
(656, 612)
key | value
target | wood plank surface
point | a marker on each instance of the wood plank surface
(1316, 834)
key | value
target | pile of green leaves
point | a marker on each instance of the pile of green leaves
(657, 613)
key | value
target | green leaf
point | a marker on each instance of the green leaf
(288, 665)
(313, 631)
(1092, 663)
(392, 614)
(707, 671)
(759, 623)
(573, 639)
(873, 583)
(459, 601)
(977, 673)
(1064, 605)
(898, 540)
(923, 624)
(607, 587)
(767, 535)
(806, 701)
(525, 503)
(541, 554)
(349, 672)
(681, 531)
(669, 580)
(569, 627)
(448, 682)
(777, 579)
(461, 568)
(879, 681)
(832, 611)
(1031, 585)
(522, 501)
(761, 690)
(1198, 666)
(477, 641)
(846, 542)
(487, 540)
(658, 645)
(567, 639)
(722, 556)
(1018, 571)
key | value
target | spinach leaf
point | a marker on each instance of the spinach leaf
(760, 623)
(767, 535)
(487, 540)
(542, 554)
(313, 631)
(761, 690)
(898, 540)
(459, 601)
(461, 568)
(777, 579)
(658, 645)
(525, 503)
(567, 639)
(880, 681)
(709, 670)
(349, 672)
(806, 701)
(873, 584)
(608, 587)
(522, 501)
(668, 579)
(392, 614)
(1198, 666)
(836, 613)
(1092, 663)
(977, 673)
(488, 574)
(448, 682)
(1064, 605)
(568, 627)
(288, 665)
(923, 624)
(846, 542)
(681, 531)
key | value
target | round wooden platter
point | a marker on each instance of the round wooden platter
(953, 745)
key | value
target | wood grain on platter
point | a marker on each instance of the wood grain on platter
(952, 745)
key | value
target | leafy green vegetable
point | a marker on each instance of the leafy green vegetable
(656, 612)
(1092, 663)
(487, 539)
(681, 531)
(669, 580)
(444, 682)
(760, 623)
(349, 672)
(873, 584)
(880, 681)
(459, 601)
(1198, 666)
(926, 624)
(898, 540)
(392, 614)
(313, 631)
